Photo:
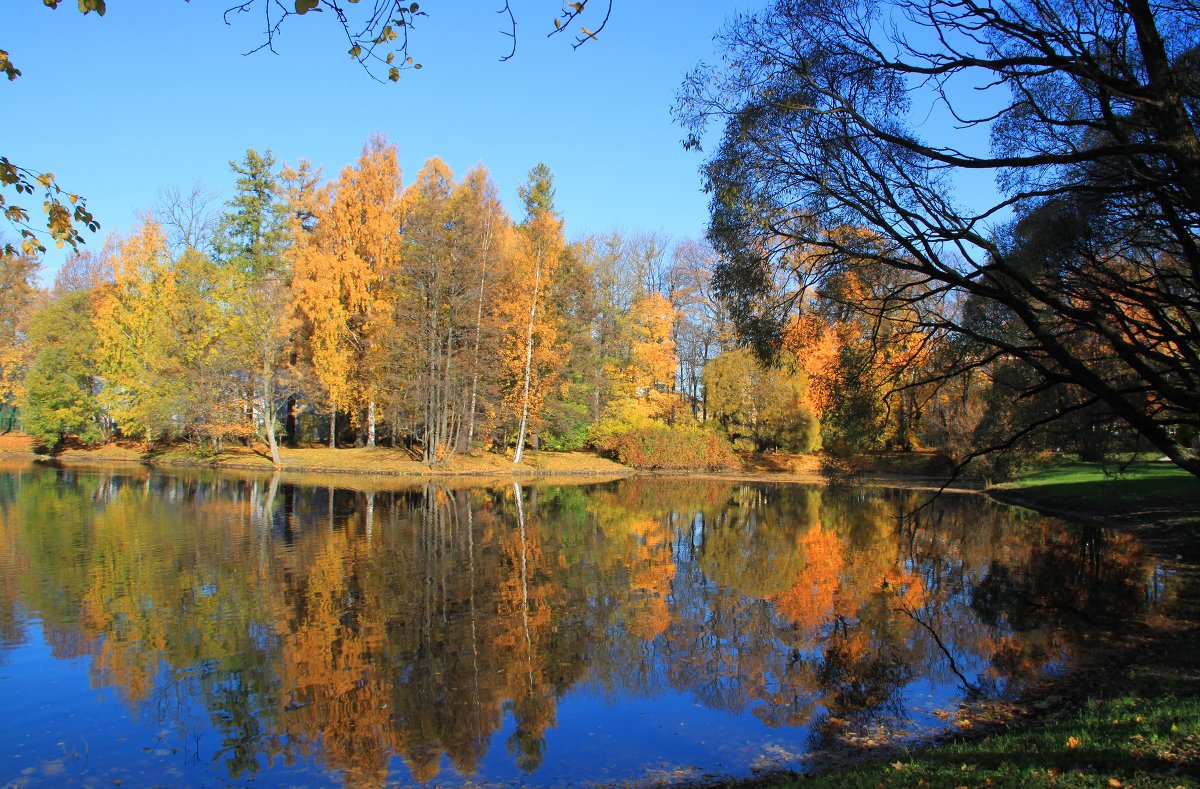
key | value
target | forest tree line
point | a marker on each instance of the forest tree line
(363, 311)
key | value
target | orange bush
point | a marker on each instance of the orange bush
(668, 447)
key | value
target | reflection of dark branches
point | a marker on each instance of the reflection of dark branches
(972, 690)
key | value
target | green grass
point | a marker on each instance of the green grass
(1147, 737)
(1145, 490)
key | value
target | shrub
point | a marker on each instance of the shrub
(665, 446)
(566, 427)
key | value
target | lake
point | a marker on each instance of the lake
(194, 628)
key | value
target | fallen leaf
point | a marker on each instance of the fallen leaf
(1073, 742)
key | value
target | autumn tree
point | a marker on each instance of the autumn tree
(1091, 113)
(769, 406)
(487, 232)
(645, 387)
(868, 371)
(59, 397)
(338, 270)
(602, 276)
(530, 355)
(163, 349)
(432, 298)
(128, 316)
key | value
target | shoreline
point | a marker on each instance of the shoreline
(389, 463)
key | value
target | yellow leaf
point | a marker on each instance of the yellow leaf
(1073, 742)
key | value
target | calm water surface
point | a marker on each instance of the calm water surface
(200, 629)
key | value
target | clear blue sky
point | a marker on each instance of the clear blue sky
(157, 93)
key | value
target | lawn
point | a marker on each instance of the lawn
(1147, 736)
(1140, 493)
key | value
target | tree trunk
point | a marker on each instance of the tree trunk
(478, 335)
(519, 455)
(444, 416)
(268, 407)
(333, 428)
(371, 424)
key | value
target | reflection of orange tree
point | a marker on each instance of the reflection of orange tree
(637, 553)
(447, 694)
(374, 664)
(810, 601)
(328, 647)
(652, 570)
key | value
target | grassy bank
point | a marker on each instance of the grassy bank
(1147, 495)
(1133, 718)
(377, 462)
(1147, 735)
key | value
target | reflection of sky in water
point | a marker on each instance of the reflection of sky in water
(200, 630)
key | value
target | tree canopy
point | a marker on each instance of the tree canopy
(1084, 271)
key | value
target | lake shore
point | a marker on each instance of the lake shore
(908, 470)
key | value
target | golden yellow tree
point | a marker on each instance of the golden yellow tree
(129, 312)
(530, 356)
(650, 375)
(339, 268)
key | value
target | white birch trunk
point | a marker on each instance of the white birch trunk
(537, 282)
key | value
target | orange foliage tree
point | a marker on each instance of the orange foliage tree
(339, 269)
(529, 353)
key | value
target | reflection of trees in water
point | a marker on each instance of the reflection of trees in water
(355, 627)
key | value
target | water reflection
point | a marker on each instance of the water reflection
(263, 628)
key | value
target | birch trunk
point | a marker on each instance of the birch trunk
(519, 455)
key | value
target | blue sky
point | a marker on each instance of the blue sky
(158, 94)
